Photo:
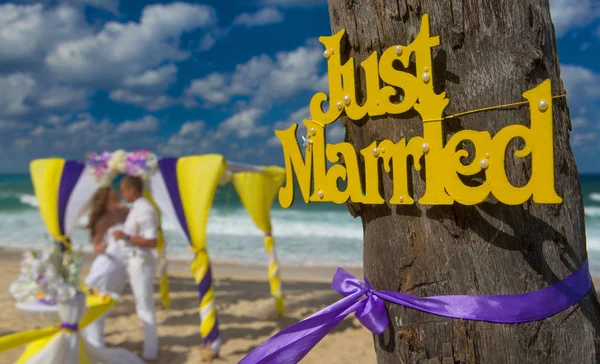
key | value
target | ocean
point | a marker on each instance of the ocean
(306, 235)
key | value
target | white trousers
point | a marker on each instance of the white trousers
(141, 270)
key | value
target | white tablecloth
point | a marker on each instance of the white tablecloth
(39, 315)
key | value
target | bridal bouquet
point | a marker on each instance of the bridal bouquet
(49, 276)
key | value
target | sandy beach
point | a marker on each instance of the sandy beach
(243, 304)
(246, 314)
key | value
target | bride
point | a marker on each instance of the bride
(107, 272)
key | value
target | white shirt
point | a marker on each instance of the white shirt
(141, 221)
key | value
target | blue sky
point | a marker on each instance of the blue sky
(203, 77)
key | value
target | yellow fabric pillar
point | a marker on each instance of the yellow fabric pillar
(45, 176)
(198, 178)
(160, 247)
(257, 192)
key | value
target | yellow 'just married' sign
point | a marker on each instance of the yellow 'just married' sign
(443, 165)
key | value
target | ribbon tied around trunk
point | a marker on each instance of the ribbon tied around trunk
(293, 343)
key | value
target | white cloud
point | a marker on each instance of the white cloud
(53, 60)
(295, 117)
(145, 124)
(585, 46)
(581, 139)
(120, 50)
(57, 119)
(38, 131)
(109, 5)
(263, 16)
(191, 138)
(213, 89)
(61, 97)
(155, 79)
(85, 133)
(21, 143)
(79, 126)
(294, 3)
(582, 84)
(6, 125)
(274, 142)
(263, 79)
(243, 124)
(22, 96)
(191, 128)
(148, 102)
(578, 122)
(568, 14)
(194, 137)
(299, 115)
(27, 32)
(17, 88)
(335, 133)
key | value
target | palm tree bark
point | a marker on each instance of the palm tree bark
(491, 51)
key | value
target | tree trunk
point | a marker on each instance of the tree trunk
(491, 51)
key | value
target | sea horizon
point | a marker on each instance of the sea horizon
(317, 234)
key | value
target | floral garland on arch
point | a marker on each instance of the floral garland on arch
(106, 166)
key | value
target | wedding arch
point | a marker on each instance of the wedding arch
(182, 189)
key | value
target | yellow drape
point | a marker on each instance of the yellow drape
(198, 178)
(257, 192)
(46, 175)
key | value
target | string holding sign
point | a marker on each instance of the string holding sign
(503, 106)
(403, 92)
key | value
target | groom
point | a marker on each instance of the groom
(140, 234)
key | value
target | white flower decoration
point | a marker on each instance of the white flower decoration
(306, 142)
(65, 292)
(23, 289)
(50, 275)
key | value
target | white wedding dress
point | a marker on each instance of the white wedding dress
(107, 274)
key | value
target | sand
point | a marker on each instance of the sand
(245, 314)
(244, 307)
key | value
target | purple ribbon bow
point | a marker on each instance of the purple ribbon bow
(70, 327)
(293, 343)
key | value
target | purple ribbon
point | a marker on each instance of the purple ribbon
(293, 343)
(44, 301)
(70, 327)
